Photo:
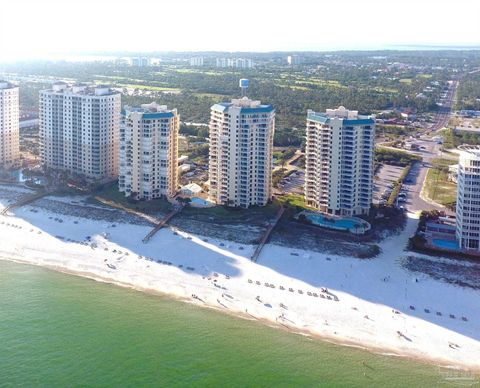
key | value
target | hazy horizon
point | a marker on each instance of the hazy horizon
(50, 28)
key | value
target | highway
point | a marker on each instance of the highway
(430, 151)
(444, 110)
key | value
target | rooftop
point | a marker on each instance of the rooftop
(341, 113)
(245, 104)
(471, 150)
(61, 87)
(6, 85)
(152, 111)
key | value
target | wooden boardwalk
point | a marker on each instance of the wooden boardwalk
(163, 222)
(267, 234)
(29, 198)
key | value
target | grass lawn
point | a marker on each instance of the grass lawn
(444, 162)
(295, 200)
(438, 188)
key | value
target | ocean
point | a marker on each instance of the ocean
(58, 330)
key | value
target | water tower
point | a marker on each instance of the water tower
(244, 83)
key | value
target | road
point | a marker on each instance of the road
(414, 202)
(430, 151)
(288, 166)
(444, 111)
(417, 176)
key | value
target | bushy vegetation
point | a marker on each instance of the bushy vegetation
(287, 137)
(198, 153)
(282, 156)
(280, 174)
(394, 132)
(452, 139)
(192, 130)
(397, 186)
(468, 92)
(394, 157)
(363, 81)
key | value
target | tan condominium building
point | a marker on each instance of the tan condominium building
(240, 161)
(79, 130)
(339, 161)
(9, 124)
(149, 151)
(468, 199)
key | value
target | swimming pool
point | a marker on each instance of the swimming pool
(445, 244)
(200, 202)
(351, 224)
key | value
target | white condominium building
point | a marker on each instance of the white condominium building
(293, 60)
(196, 61)
(241, 63)
(149, 151)
(339, 161)
(79, 130)
(468, 198)
(241, 144)
(9, 124)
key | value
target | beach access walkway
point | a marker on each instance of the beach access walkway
(176, 209)
(25, 200)
(267, 234)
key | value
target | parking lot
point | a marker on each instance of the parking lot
(468, 124)
(294, 183)
(383, 182)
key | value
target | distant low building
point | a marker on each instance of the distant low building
(440, 230)
(184, 168)
(190, 190)
(294, 60)
(469, 113)
(453, 173)
(241, 63)
(196, 61)
(182, 159)
(140, 61)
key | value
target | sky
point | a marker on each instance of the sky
(31, 29)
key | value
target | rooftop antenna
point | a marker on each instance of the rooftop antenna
(244, 83)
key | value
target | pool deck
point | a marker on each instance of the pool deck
(200, 202)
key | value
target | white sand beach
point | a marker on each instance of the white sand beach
(377, 304)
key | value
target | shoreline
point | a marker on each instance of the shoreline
(247, 316)
(369, 311)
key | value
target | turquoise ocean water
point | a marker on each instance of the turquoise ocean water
(61, 330)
